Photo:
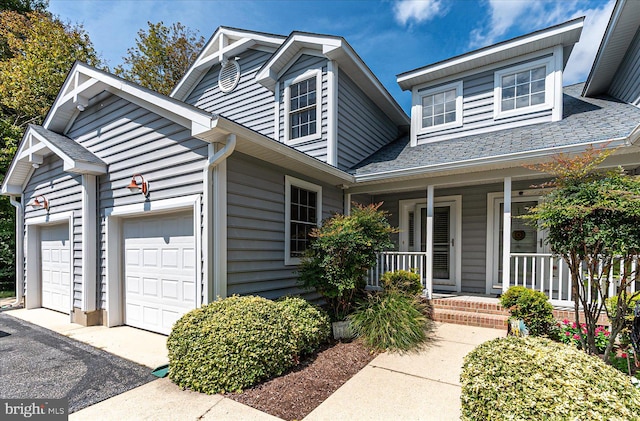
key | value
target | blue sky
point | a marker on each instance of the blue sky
(391, 36)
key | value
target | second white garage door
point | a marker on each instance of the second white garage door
(159, 270)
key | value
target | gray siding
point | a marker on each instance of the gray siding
(256, 227)
(249, 104)
(133, 140)
(315, 148)
(478, 107)
(64, 193)
(362, 127)
(626, 83)
(474, 226)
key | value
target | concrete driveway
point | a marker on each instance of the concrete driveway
(38, 363)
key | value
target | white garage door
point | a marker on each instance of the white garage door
(159, 270)
(55, 256)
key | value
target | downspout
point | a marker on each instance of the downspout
(19, 249)
(213, 210)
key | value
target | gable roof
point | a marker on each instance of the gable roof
(585, 121)
(621, 30)
(565, 34)
(224, 44)
(36, 144)
(333, 48)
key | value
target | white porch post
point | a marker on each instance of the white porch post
(89, 245)
(506, 235)
(429, 241)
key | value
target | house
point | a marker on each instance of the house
(137, 207)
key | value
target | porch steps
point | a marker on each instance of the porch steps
(470, 311)
(484, 311)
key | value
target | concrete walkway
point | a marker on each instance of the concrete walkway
(416, 386)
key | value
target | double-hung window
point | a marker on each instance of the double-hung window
(523, 89)
(439, 108)
(303, 201)
(302, 107)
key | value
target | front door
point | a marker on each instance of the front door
(525, 238)
(444, 243)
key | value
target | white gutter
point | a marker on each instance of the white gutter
(215, 225)
(19, 249)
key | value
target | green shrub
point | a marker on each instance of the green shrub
(531, 306)
(390, 321)
(535, 378)
(230, 344)
(612, 307)
(402, 281)
(310, 324)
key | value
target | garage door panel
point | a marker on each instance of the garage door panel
(55, 257)
(160, 255)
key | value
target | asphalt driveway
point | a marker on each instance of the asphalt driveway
(36, 363)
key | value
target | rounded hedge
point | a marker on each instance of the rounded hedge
(535, 378)
(532, 307)
(403, 281)
(310, 324)
(236, 342)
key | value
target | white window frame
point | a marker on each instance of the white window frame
(417, 107)
(288, 183)
(549, 88)
(317, 73)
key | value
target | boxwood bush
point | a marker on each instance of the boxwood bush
(535, 378)
(532, 307)
(402, 281)
(236, 342)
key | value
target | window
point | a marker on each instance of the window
(439, 108)
(523, 89)
(302, 107)
(303, 210)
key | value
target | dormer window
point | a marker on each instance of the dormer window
(523, 89)
(439, 108)
(302, 107)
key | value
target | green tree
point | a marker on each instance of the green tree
(341, 253)
(161, 56)
(36, 53)
(593, 221)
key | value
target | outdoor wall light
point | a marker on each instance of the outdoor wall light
(38, 204)
(136, 186)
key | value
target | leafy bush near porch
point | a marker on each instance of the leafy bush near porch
(403, 281)
(391, 321)
(536, 378)
(531, 306)
(236, 342)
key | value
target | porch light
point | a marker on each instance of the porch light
(136, 186)
(38, 204)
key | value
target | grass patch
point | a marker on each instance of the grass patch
(7, 294)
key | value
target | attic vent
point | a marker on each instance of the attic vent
(229, 76)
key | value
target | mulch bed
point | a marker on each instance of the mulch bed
(300, 390)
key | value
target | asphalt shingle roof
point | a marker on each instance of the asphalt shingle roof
(68, 146)
(584, 120)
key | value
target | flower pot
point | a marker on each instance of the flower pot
(342, 330)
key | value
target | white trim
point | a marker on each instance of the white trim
(89, 243)
(288, 182)
(317, 73)
(33, 297)
(219, 234)
(506, 235)
(549, 86)
(276, 113)
(418, 93)
(558, 55)
(332, 113)
(113, 245)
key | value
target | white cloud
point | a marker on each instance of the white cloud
(585, 51)
(418, 10)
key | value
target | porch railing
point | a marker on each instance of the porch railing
(389, 261)
(550, 274)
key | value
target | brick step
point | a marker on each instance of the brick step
(469, 306)
(494, 321)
